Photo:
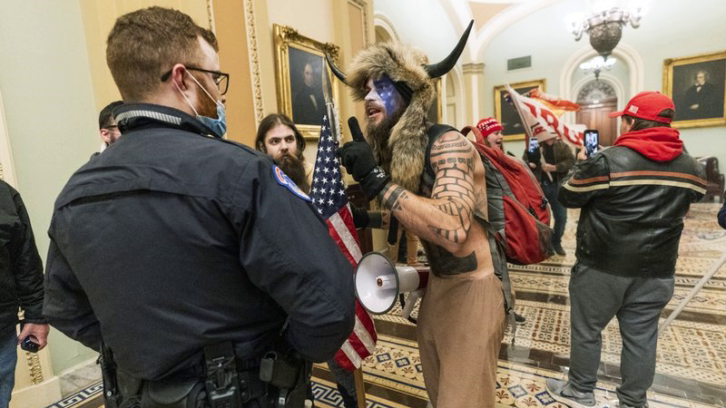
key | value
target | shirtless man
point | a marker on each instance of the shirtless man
(462, 315)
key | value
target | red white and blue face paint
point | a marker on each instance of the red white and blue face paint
(382, 99)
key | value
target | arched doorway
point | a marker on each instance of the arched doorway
(597, 100)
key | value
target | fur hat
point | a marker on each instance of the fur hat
(405, 152)
(406, 148)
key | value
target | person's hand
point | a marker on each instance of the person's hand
(534, 156)
(38, 334)
(532, 165)
(549, 167)
(581, 155)
(357, 158)
(693, 107)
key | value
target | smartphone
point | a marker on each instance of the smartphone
(532, 145)
(592, 142)
(28, 344)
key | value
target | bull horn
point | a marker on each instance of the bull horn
(441, 68)
(338, 73)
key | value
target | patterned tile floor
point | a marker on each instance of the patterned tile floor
(691, 359)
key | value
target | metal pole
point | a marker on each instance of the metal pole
(693, 293)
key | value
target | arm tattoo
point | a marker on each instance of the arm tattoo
(392, 201)
(454, 186)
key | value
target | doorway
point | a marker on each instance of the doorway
(597, 100)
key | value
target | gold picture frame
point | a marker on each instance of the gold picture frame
(506, 113)
(697, 106)
(299, 65)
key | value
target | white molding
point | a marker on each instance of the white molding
(7, 168)
(457, 76)
(382, 21)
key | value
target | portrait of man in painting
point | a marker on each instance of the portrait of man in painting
(698, 90)
(308, 103)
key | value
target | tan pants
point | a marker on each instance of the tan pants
(460, 328)
(412, 242)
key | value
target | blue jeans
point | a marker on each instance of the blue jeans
(8, 359)
(558, 210)
(596, 297)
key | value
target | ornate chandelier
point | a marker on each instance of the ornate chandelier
(605, 27)
(597, 64)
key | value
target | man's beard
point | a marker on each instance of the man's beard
(378, 137)
(295, 169)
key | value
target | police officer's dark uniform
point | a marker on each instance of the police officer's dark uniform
(171, 241)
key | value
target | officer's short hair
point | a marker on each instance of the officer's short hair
(146, 43)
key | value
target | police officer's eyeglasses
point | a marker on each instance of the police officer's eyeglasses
(221, 79)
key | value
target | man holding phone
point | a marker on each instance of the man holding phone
(633, 198)
(550, 162)
(21, 286)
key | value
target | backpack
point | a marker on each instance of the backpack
(519, 214)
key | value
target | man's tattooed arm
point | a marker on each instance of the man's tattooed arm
(445, 218)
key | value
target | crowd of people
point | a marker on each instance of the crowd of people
(201, 272)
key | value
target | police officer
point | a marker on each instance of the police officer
(176, 241)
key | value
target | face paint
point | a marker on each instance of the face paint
(387, 92)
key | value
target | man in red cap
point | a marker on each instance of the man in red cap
(633, 198)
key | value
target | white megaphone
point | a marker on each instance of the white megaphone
(378, 282)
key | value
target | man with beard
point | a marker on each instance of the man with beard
(278, 137)
(189, 256)
(461, 320)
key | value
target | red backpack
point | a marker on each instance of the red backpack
(519, 213)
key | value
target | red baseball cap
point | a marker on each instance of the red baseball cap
(488, 126)
(647, 105)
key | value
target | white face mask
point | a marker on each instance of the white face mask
(217, 125)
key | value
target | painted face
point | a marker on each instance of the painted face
(382, 99)
(280, 141)
(494, 139)
(308, 75)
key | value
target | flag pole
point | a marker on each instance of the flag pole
(527, 129)
(716, 266)
(360, 390)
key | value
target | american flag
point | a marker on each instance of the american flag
(328, 196)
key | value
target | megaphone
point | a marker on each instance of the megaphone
(378, 283)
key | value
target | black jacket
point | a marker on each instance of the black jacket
(21, 270)
(171, 240)
(632, 210)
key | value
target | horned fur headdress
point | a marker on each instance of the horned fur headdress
(404, 154)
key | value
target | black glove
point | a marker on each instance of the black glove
(357, 157)
(360, 217)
